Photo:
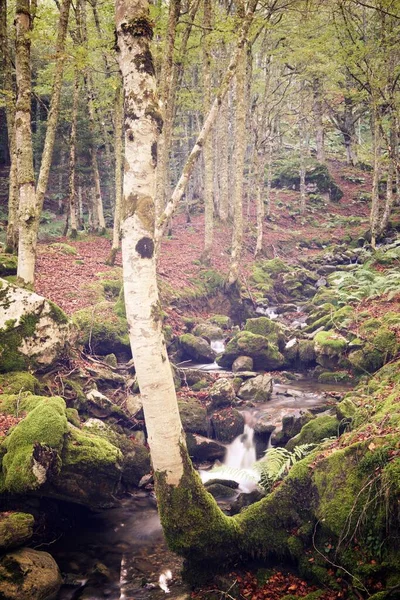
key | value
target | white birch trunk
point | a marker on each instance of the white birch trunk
(208, 144)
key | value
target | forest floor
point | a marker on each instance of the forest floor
(65, 278)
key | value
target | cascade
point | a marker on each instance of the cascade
(241, 453)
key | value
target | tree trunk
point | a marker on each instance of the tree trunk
(376, 140)
(223, 126)
(391, 175)
(119, 116)
(240, 143)
(72, 157)
(208, 144)
(319, 126)
(31, 202)
(28, 213)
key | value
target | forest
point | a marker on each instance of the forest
(199, 299)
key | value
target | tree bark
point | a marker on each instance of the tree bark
(319, 126)
(376, 141)
(391, 174)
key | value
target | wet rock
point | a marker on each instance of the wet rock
(329, 348)
(227, 424)
(28, 574)
(197, 348)
(257, 389)
(193, 376)
(291, 426)
(265, 355)
(242, 363)
(315, 431)
(220, 490)
(222, 392)
(204, 449)
(244, 500)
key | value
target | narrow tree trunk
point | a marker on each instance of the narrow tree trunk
(28, 213)
(302, 157)
(391, 180)
(208, 144)
(269, 173)
(319, 127)
(374, 214)
(80, 208)
(119, 115)
(72, 157)
(196, 150)
(240, 143)
(259, 181)
(31, 202)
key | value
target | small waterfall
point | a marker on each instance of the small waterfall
(241, 453)
(218, 345)
(269, 311)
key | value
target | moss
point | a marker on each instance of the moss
(64, 248)
(221, 321)
(73, 416)
(19, 404)
(193, 416)
(264, 326)
(16, 528)
(11, 338)
(199, 385)
(46, 424)
(315, 431)
(102, 330)
(265, 355)
(92, 452)
(306, 351)
(334, 377)
(8, 264)
(202, 534)
(57, 314)
(366, 360)
(18, 381)
(330, 343)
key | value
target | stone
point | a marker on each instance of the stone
(209, 331)
(28, 574)
(193, 416)
(265, 355)
(197, 348)
(16, 528)
(242, 363)
(134, 406)
(33, 331)
(257, 389)
(222, 392)
(227, 424)
(204, 449)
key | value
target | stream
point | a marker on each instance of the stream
(120, 553)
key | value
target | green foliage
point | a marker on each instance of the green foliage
(363, 282)
(277, 463)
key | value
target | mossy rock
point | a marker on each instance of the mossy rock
(18, 381)
(208, 331)
(197, 348)
(16, 528)
(306, 352)
(33, 448)
(101, 330)
(222, 392)
(264, 354)
(33, 331)
(8, 264)
(334, 377)
(64, 248)
(315, 431)
(346, 409)
(221, 321)
(270, 329)
(329, 348)
(317, 174)
(227, 424)
(193, 416)
(366, 360)
(28, 574)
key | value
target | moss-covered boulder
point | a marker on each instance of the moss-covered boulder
(266, 327)
(287, 174)
(102, 330)
(18, 381)
(227, 424)
(204, 449)
(264, 354)
(16, 528)
(208, 331)
(242, 363)
(315, 431)
(256, 389)
(33, 331)
(28, 574)
(222, 321)
(196, 348)
(329, 348)
(8, 264)
(193, 416)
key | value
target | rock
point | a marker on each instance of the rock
(291, 426)
(227, 424)
(134, 406)
(111, 360)
(16, 382)
(33, 330)
(315, 431)
(242, 363)
(220, 490)
(329, 348)
(193, 416)
(257, 389)
(208, 331)
(102, 330)
(221, 321)
(197, 348)
(265, 355)
(16, 528)
(266, 327)
(244, 500)
(28, 574)
(222, 392)
(98, 405)
(193, 376)
(204, 449)
(8, 264)
(346, 409)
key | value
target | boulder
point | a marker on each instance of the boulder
(33, 330)
(28, 574)
(272, 330)
(222, 392)
(221, 321)
(227, 424)
(315, 431)
(204, 449)
(16, 528)
(257, 389)
(197, 348)
(8, 264)
(329, 348)
(102, 330)
(193, 416)
(242, 363)
(265, 355)
(208, 331)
